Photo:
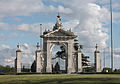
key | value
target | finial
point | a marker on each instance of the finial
(38, 46)
(58, 19)
(79, 47)
(18, 46)
(58, 24)
(58, 16)
(96, 46)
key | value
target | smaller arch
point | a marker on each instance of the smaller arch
(58, 43)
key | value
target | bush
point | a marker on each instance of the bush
(107, 70)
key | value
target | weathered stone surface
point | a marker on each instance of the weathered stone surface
(79, 60)
(97, 60)
(18, 60)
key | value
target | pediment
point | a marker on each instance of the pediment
(60, 32)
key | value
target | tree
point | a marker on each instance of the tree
(85, 60)
(77, 47)
(61, 54)
(33, 66)
(6, 69)
(109, 70)
(86, 64)
(57, 68)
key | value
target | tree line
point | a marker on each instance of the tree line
(6, 69)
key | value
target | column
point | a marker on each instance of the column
(49, 59)
(74, 63)
(79, 62)
(44, 55)
(38, 59)
(97, 60)
(70, 58)
(18, 59)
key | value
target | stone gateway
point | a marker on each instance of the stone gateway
(58, 36)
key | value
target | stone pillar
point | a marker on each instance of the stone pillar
(97, 60)
(79, 62)
(49, 59)
(38, 59)
(44, 55)
(70, 57)
(18, 60)
(74, 62)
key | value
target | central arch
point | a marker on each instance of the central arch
(59, 36)
(49, 43)
(64, 45)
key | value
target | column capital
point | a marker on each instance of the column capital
(18, 48)
(96, 51)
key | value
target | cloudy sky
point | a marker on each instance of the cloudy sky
(89, 19)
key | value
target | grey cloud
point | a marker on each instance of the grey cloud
(4, 37)
(27, 7)
(8, 54)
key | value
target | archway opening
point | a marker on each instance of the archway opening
(58, 59)
(27, 58)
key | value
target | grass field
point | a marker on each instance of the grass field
(61, 79)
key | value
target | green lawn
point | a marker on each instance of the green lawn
(61, 79)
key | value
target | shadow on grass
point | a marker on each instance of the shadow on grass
(79, 81)
(60, 80)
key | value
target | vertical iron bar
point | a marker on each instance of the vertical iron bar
(111, 36)
(40, 35)
(104, 57)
